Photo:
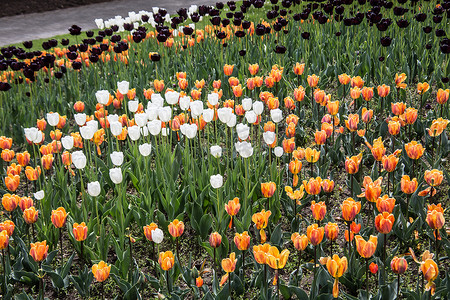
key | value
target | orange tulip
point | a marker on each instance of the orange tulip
(268, 189)
(383, 90)
(355, 92)
(333, 107)
(390, 162)
(295, 195)
(352, 164)
(260, 253)
(394, 127)
(433, 177)
(228, 69)
(298, 69)
(47, 161)
(23, 158)
(366, 249)
(344, 79)
(319, 210)
(199, 282)
(442, 96)
(336, 267)
(253, 69)
(30, 215)
(5, 143)
(182, 83)
(437, 127)
(176, 228)
(39, 251)
(299, 93)
(33, 174)
(408, 186)
(300, 241)
(320, 137)
(350, 208)
(228, 265)
(372, 189)
(385, 204)
(411, 115)
(288, 145)
(331, 231)
(80, 231)
(429, 269)
(398, 108)
(215, 239)
(158, 84)
(10, 202)
(435, 218)
(101, 271)
(367, 93)
(366, 115)
(399, 79)
(312, 80)
(9, 226)
(232, 209)
(414, 150)
(378, 150)
(313, 186)
(384, 222)
(261, 220)
(275, 259)
(315, 234)
(242, 240)
(312, 155)
(327, 185)
(148, 230)
(357, 82)
(7, 155)
(373, 267)
(399, 265)
(289, 103)
(25, 202)
(166, 260)
(422, 88)
(4, 239)
(78, 106)
(41, 124)
(352, 122)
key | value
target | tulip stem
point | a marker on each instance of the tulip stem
(61, 243)
(243, 267)
(81, 254)
(367, 277)
(349, 241)
(32, 230)
(384, 255)
(398, 286)
(4, 272)
(229, 286)
(408, 197)
(168, 282)
(436, 236)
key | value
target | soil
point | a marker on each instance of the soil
(22, 7)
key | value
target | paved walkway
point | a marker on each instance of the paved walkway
(16, 29)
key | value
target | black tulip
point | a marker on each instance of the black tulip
(402, 23)
(219, 5)
(58, 75)
(4, 86)
(46, 45)
(93, 58)
(89, 33)
(215, 20)
(385, 41)
(246, 24)
(445, 79)
(420, 17)
(306, 35)
(28, 44)
(437, 19)
(225, 22)
(145, 18)
(76, 65)
(280, 49)
(338, 33)
(221, 35)
(115, 38)
(427, 29)
(428, 46)
(75, 30)
(83, 47)
(109, 31)
(381, 58)
(155, 57)
(440, 32)
(242, 52)
(260, 29)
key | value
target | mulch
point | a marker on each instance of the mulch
(23, 7)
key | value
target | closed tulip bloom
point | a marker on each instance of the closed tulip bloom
(228, 69)
(407, 185)
(215, 239)
(289, 103)
(261, 221)
(23, 158)
(7, 155)
(12, 182)
(411, 115)
(366, 248)
(319, 210)
(390, 162)
(355, 92)
(433, 177)
(442, 96)
(299, 93)
(199, 281)
(30, 215)
(383, 90)
(39, 251)
(228, 265)
(422, 88)
(312, 155)
(336, 267)
(232, 208)
(275, 259)
(384, 222)
(399, 79)
(414, 150)
(101, 271)
(260, 253)
(5, 143)
(148, 231)
(176, 228)
(242, 240)
(298, 69)
(367, 93)
(159, 85)
(9, 226)
(366, 115)
(399, 265)
(320, 137)
(435, 219)
(333, 107)
(166, 260)
(357, 82)
(47, 161)
(398, 108)
(59, 217)
(320, 96)
(300, 241)
(352, 122)
(373, 267)
(295, 166)
(10, 202)
(315, 234)
(331, 231)
(253, 69)
(313, 186)
(378, 150)
(327, 185)
(312, 80)
(4, 239)
(394, 127)
(372, 189)
(344, 79)
(80, 231)
(268, 189)
(352, 164)
(350, 208)
(25, 202)
(385, 204)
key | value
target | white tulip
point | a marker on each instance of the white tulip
(165, 113)
(243, 131)
(80, 119)
(87, 132)
(269, 137)
(53, 119)
(145, 149)
(258, 107)
(250, 116)
(164, 131)
(157, 100)
(208, 115)
(116, 175)
(144, 131)
(39, 195)
(196, 108)
(172, 97)
(157, 235)
(213, 99)
(67, 142)
(133, 105)
(216, 181)
(224, 114)
(189, 130)
(31, 133)
(134, 132)
(116, 158)
(152, 111)
(39, 137)
(112, 118)
(154, 127)
(247, 104)
(276, 115)
(100, 24)
(232, 121)
(116, 128)
(141, 119)
(102, 97)
(185, 102)
(244, 149)
(94, 188)
(79, 159)
(278, 151)
(93, 124)
(216, 151)
(123, 87)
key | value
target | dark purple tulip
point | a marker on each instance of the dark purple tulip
(28, 44)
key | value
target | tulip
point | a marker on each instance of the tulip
(331, 231)
(216, 181)
(384, 222)
(268, 189)
(429, 269)
(399, 266)
(352, 122)
(295, 195)
(398, 108)
(315, 234)
(312, 155)
(411, 116)
(385, 204)
(300, 241)
(336, 267)
(30, 215)
(9, 226)
(352, 164)
(399, 79)
(320, 137)
(378, 150)
(39, 251)
(242, 241)
(313, 186)
(414, 150)
(116, 175)
(23, 158)
(344, 79)
(312, 80)
(373, 267)
(101, 271)
(442, 96)
(228, 265)
(4, 240)
(166, 260)
(59, 217)
(232, 209)
(422, 88)
(12, 182)
(366, 248)
(228, 69)
(157, 236)
(372, 189)
(261, 220)
(298, 69)
(199, 282)
(433, 177)
(215, 239)
(350, 208)
(80, 231)
(436, 220)
(148, 231)
(10, 202)
(176, 229)
(319, 210)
